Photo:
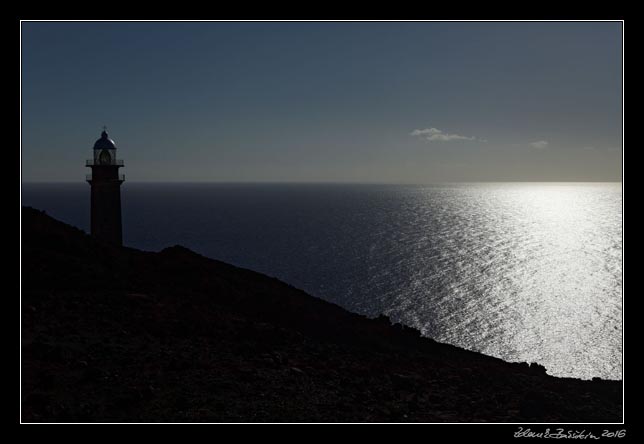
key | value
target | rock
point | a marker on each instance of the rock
(92, 374)
(536, 405)
(406, 382)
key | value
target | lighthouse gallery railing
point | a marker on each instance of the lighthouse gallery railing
(92, 162)
(121, 177)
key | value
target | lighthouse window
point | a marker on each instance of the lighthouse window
(105, 157)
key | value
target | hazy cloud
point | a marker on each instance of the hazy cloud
(436, 135)
(539, 144)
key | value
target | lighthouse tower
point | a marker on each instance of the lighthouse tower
(105, 182)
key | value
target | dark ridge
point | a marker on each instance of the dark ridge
(117, 334)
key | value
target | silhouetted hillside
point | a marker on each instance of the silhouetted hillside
(118, 334)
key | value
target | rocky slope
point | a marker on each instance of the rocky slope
(118, 334)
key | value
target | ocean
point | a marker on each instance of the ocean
(526, 272)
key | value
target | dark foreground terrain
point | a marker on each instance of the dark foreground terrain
(117, 334)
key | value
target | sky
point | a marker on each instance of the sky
(368, 102)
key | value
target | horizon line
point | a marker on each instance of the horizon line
(268, 182)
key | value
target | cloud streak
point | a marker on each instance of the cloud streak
(436, 135)
(539, 144)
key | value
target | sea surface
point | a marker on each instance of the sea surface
(521, 271)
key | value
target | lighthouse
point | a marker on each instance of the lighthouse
(105, 183)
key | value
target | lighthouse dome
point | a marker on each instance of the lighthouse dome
(104, 143)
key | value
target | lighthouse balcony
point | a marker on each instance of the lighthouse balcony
(120, 178)
(94, 162)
